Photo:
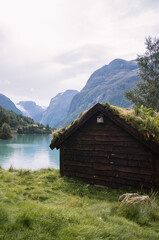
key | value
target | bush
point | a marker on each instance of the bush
(11, 169)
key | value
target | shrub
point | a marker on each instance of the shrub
(5, 131)
(11, 169)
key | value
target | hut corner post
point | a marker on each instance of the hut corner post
(155, 167)
(62, 159)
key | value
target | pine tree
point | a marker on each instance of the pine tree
(146, 92)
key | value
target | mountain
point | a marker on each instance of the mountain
(106, 84)
(30, 109)
(6, 103)
(58, 108)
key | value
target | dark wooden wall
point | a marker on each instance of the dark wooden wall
(105, 154)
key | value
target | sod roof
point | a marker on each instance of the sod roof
(142, 123)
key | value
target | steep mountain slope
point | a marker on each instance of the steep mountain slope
(58, 108)
(30, 109)
(6, 103)
(106, 84)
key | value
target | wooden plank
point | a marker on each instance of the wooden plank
(130, 163)
(87, 147)
(136, 156)
(134, 170)
(80, 175)
(89, 169)
(116, 149)
(125, 169)
(108, 124)
(80, 169)
(105, 141)
(131, 176)
(78, 163)
(136, 177)
(101, 132)
(103, 154)
(130, 150)
(103, 167)
(110, 181)
(124, 182)
(82, 153)
(77, 159)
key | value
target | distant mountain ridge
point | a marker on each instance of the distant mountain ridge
(58, 108)
(30, 109)
(6, 103)
(107, 84)
(54, 113)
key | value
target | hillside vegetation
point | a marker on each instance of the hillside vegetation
(20, 124)
(6, 103)
(43, 205)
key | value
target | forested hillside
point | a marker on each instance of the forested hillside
(6, 103)
(10, 121)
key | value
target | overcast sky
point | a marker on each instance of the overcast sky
(49, 46)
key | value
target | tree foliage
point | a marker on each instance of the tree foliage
(146, 92)
(5, 131)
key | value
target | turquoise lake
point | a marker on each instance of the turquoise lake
(28, 152)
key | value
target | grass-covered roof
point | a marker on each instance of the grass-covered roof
(143, 120)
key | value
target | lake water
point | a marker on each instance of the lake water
(28, 152)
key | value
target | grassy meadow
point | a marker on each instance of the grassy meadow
(42, 205)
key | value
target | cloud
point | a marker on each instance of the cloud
(50, 46)
(1, 38)
(132, 9)
(82, 57)
(46, 78)
(79, 62)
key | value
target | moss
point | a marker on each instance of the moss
(143, 119)
(110, 108)
(57, 134)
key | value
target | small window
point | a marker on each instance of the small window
(100, 118)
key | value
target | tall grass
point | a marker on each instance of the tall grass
(44, 205)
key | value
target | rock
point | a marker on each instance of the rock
(133, 198)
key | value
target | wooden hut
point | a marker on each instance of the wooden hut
(103, 149)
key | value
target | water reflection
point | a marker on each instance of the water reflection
(28, 152)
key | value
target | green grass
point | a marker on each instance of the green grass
(43, 205)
